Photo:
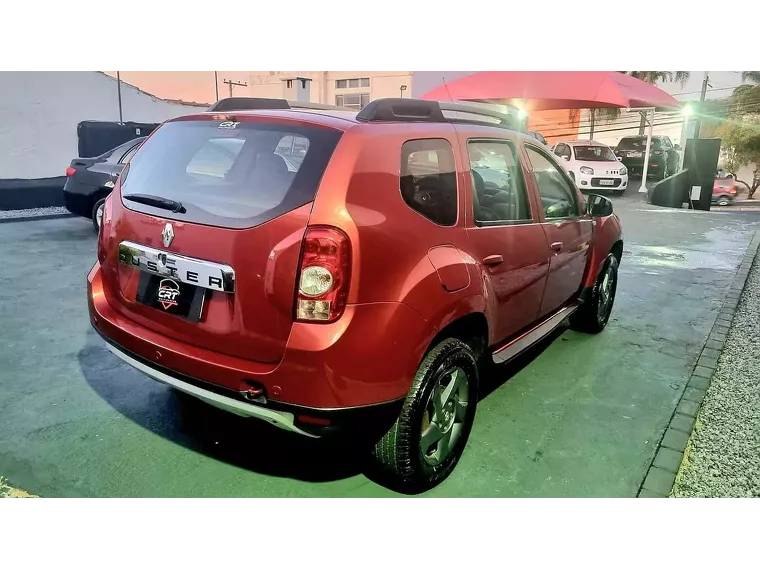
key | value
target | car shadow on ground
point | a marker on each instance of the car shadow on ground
(246, 443)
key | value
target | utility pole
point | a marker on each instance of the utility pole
(216, 85)
(118, 89)
(234, 83)
(701, 105)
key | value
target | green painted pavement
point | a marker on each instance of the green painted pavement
(579, 416)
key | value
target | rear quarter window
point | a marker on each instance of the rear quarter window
(428, 179)
(230, 176)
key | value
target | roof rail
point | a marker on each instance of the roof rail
(255, 103)
(417, 110)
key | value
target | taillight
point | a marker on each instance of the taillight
(324, 275)
(105, 227)
(70, 172)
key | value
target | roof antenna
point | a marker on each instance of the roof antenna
(447, 88)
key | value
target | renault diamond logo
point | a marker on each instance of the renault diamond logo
(168, 234)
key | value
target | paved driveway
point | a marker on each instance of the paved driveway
(579, 416)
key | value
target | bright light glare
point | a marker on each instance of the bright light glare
(687, 111)
(521, 114)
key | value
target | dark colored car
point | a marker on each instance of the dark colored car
(537, 136)
(724, 191)
(89, 181)
(663, 156)
(363, 292)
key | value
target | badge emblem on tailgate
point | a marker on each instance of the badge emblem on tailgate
(168, 234)
(195, 272)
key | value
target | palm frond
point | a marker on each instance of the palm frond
(751, 77)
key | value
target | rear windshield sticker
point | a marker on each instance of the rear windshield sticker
(228, 124)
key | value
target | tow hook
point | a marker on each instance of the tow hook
(254, 392)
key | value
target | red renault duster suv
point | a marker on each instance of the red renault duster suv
(308, 266)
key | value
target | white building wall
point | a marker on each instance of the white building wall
(39, 113)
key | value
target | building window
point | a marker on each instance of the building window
(353, 101)
(352, 83)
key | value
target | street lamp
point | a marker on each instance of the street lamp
(402, 89)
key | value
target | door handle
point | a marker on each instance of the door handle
(556, 246)
(492, 260)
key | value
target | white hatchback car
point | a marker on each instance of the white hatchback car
(593, 165)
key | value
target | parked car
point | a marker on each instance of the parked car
(663, 156)
(538, 136)
(367, 290)
(89, 181)
(593, 165)
(724, 191)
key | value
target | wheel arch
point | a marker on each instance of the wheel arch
(470, 328)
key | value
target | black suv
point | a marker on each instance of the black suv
(663, 156)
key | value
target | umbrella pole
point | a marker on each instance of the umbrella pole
(643, 188)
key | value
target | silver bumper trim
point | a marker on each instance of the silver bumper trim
(280, 419)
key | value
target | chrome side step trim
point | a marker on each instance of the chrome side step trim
(531, 337)
(279, 419)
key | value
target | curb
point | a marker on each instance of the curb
(35, 217)
(661, 475)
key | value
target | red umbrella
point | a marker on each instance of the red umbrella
(549, 90)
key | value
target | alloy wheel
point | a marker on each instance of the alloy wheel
(444, 417)
(606, 288)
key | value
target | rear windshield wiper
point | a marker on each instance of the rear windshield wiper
(156, 201)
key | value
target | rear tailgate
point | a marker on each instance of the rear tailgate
(220, 273)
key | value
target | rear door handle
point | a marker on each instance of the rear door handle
(492, 260)
(556, 246)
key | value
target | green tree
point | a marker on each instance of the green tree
(746, 97)
(741, 143)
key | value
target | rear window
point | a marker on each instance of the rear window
(638, 143)
(594, 154)
(230, 174)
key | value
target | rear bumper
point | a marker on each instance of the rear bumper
(76, 202)
(592, 181)
(325, 372)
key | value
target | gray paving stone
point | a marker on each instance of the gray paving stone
(720, 329)
(689, 408)
(710, 353)
(675, 440)
(668, 459)
(694, 394)
(698, 382)
(707, 361)
(682, 423)
(714, 344)
(649, 494)
(659, 481)
(720, 336)
(723, 322)
(701, 371)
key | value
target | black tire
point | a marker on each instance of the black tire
(406, 466)
(592, 316)
(723, 201)
(94, 215)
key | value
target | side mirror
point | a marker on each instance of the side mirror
(566, 157)
(620, 158)
(598, 206)
(677, 147)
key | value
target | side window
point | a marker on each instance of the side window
(129, 154)
(498, 187)
(558, 149)
(566, 152)
(428, 179)
(557, 197)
